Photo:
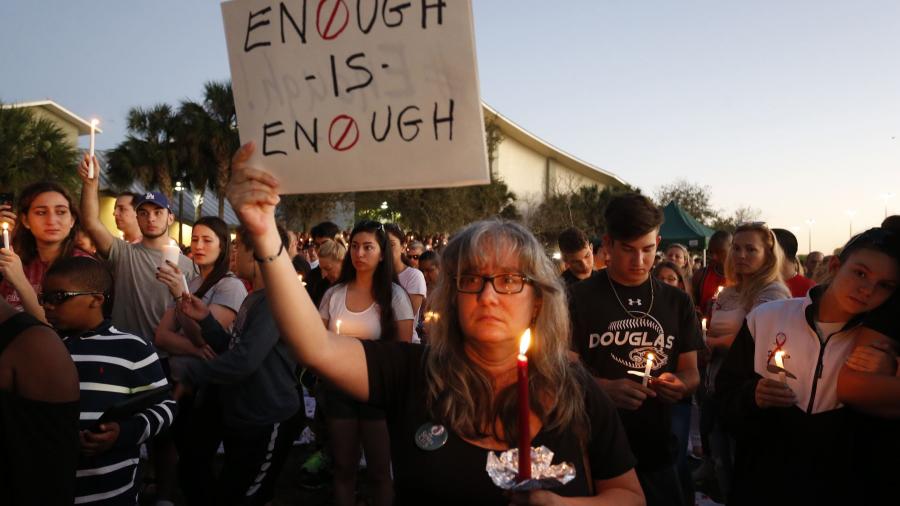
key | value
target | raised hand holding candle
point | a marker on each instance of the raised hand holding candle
(94, 123)
(647, 369)
(779, 362)
(6, 235)
(524, 409)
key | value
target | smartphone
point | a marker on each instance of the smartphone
(6, 199)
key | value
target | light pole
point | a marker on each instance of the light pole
(851, 213)
(809, 223)
(179, 187)
(885, 197)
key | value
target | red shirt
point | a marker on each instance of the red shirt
(34, 272)
(711, 282)
(799, 285)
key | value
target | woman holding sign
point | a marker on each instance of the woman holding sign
(452, 403)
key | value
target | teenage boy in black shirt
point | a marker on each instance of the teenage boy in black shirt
(621, 316)
(577, 254)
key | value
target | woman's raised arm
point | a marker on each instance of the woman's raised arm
(253, 194)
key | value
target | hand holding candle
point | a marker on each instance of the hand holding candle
(524, 409)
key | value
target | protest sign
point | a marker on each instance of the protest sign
(353, 95)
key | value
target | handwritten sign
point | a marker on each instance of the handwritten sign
(354, 95)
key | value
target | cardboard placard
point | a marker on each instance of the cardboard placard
(355, 95)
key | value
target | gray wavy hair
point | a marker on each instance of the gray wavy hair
(458, 390)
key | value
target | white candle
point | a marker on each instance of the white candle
(338, 324)
(6, 235)
(300, 277)
(94, 123)
(648, 368)
(122, 235)
(779, 363)
(703, 324)
(171, 252)
(719, 291)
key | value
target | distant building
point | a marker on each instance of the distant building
(72, 125)
(533, 169)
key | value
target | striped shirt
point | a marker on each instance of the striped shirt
(112, 366)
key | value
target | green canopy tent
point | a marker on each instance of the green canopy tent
(681, 227)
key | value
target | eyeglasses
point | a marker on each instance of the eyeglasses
(58, 297)
(506, 284)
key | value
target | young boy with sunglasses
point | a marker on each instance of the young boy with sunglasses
(112, 367)
(797, 443)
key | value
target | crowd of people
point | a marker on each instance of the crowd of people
(115, 345)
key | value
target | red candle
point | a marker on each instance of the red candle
(524, 410)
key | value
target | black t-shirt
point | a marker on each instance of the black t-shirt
(570, 279)
(612, 342)
(455, 473)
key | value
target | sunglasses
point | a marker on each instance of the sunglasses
(58, 297)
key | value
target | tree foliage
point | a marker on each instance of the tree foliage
(34, 149)
(693, 198)
(740, 215)
(582, 208)
(440, 209)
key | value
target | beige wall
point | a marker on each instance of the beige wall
(522, 169)
(526, 173)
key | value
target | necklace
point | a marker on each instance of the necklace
(633, 314)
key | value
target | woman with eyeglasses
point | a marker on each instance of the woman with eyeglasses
(797, 443)
(451, 403)
(45, 231)
(366, 304)
(410, 278)
(753, 277)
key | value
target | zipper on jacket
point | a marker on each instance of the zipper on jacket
(819, 367)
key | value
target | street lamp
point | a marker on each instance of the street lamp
(885, 197)
(810, 222)
(851, 213)
(179, 187)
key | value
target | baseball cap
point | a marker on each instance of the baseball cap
(788, 242)
(156, 198)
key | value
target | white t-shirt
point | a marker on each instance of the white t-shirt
(824, 329)
(413, 281)
(365, 324)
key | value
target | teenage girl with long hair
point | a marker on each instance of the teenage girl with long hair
(366, 303)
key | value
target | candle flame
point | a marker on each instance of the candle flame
(650, 357)
(719, 290)
(5, 226)
(525, 342)
(94, 122)
(779, 359)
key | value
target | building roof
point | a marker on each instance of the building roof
(544, 148)
(83, 126)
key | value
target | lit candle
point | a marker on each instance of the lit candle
(779, 362)
(94, 123)
(524, 409)
(122, 235)
(703, 324)
(170, 252)
(6, 235)
(648, 368)
(338, 324)
(300, 277)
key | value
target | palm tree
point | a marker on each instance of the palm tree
(207, 139)
(149, 152)
(33, 149)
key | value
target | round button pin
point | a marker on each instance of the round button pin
(430, 437)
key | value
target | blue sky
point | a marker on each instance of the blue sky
(790, 107)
